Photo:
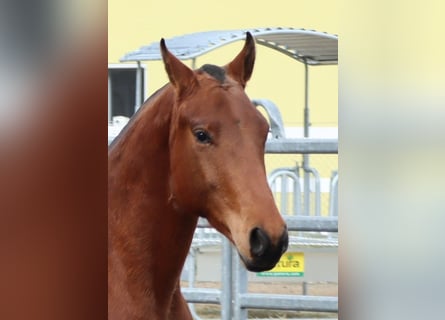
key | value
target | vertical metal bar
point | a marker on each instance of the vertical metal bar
(316, 176)
(191, 261)
(306, 100)
(110, 111)
(307, 190)
(138, 97)
(283, 193)
(333, 195)
(297, 190)
(306, 174)
(144, 84)
(317, 193)
(226, 280)
(297, 196)
(193, 63)
(240, 288)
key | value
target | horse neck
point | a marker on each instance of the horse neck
(148, 237)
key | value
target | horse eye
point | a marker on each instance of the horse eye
(202, 136)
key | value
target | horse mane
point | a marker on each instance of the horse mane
(147, 104)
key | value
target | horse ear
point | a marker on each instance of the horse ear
(181, 77)
(241, 67)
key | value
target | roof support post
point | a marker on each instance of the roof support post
(306, 100)
(110, 111)
(138, 97)
(306, 168)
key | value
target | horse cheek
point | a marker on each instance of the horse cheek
(186, 178)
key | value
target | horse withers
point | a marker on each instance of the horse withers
(194, 149)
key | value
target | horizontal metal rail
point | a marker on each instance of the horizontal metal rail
(302, 223)
(243, 300)
(202, 295)
(298, 223)
(289, 302)
(302, 145)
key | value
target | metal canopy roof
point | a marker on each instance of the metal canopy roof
(307, 46)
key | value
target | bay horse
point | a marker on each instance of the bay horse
(194, 149)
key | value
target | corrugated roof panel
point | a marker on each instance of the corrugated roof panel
(308, 46)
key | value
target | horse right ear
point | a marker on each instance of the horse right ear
(241, 67)
(181, 77)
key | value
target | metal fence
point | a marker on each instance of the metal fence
(233, 296)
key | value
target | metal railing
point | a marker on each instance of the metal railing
(233, 296)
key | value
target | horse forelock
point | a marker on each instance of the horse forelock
(216, 72)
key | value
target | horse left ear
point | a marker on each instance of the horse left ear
(181, 77)
(241, 67)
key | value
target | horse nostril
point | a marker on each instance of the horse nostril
(284, 241)
(259, 242)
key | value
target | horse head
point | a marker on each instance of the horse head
(217, 170)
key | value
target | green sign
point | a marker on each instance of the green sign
(291, 264)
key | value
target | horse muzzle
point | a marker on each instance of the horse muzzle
(264, 253)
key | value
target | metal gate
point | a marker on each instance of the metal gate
(233, 296)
